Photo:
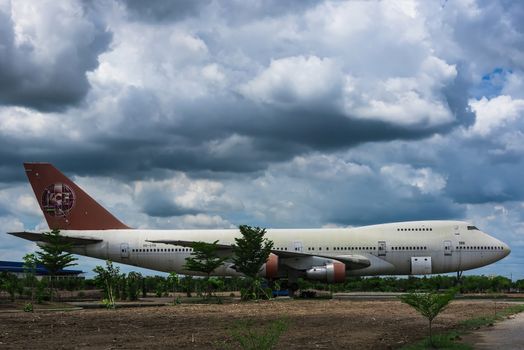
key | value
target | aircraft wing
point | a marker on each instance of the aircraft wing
(38, 237)
(351, 261)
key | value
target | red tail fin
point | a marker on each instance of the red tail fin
(65, 205)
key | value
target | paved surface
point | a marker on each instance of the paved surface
(508, 334)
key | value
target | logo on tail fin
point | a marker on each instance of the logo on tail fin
(58, 199)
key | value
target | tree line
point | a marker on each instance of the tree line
(134, 285)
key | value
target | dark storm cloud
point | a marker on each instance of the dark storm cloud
(477, 170)
(163, 10)
(157, 205)
(209, 135)
(474, 177)
(30, 78)
(456, 95)
(204, 140)
(242, 11)
(495, 35)
(417, 208)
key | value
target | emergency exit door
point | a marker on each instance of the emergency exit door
(447, 248)
(382, 248)
(124, 250)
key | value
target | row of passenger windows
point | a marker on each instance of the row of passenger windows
(344, 248)
(161, 250)
(297, 249)
(409, 248)
(171, 250)
(415, 229)
(480, 247)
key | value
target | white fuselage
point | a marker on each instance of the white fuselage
(420, 247)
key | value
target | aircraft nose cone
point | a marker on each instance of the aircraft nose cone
(507, 249)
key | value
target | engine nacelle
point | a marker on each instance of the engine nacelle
(332, 273)
(270, 268)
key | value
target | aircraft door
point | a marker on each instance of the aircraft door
(382, 248)
(297, 246)
(124, 250)
(421, 265)
(447, 248)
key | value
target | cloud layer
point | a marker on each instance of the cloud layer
(307, 113)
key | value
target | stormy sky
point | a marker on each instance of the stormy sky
(211, 114)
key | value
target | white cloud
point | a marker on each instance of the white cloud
(415, 100)
(514, 85)
(19, 201)
(324, 167)
(295, 80)
(179, 194)
(424, 179)
(25, 123)
(495, 113)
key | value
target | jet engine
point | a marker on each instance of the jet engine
(332, 272)
(270, 268)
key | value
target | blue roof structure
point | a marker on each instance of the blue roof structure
(18, 267)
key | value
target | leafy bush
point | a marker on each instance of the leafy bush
(28, 307)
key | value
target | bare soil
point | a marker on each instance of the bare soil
(313, 324)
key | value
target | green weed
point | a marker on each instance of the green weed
(249, 336)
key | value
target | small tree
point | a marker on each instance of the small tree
(204, 258)
(108, 279)
(428, 305)
(10, 283)
(54, 256)
(188, 284)
(174, 280)
(30, 262)
(250, 254)
(133, 283)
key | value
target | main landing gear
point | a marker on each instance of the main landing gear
(459, 278)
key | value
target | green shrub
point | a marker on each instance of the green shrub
(250, 336)
(28, 307)
(109, 304)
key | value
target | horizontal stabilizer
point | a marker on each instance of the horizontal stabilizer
(38, 237)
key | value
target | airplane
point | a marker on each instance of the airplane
(322, 254)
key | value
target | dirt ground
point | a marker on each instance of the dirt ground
(313, 324)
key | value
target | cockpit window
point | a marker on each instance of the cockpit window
(473, 228)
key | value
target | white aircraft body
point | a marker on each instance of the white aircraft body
(330, 255)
